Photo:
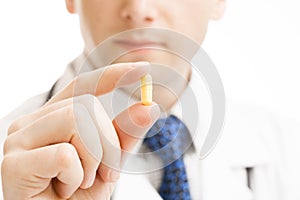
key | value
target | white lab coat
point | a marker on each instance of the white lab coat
(251, 138)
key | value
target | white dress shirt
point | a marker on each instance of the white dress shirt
(256, 156)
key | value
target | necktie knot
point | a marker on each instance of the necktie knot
(170, 137)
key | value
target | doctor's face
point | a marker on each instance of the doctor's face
(100, 19)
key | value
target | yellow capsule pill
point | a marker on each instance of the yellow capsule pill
(146, 90)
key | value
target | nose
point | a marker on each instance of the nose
(139, 12)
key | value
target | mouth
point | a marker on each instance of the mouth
(130, 44)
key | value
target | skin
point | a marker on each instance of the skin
(45, 156)
(190, 18)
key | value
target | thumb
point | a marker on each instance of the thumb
(133, 123)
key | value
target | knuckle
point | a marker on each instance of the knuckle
(73, 116)
(69, 113)
(75, 80)
(88, 97)
(67, 118)
(13, 127)
(8, 165)
(110, 188)
(114, 82)
(86, 101)
(7, 145)
(66, 155)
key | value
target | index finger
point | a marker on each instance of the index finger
(102, 80)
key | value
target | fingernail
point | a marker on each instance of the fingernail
(114, 175)
(89, 181)
(141, 64)
(139, 70)
(155, 113)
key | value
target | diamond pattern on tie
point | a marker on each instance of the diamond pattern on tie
(171, 138)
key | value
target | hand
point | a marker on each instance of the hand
(69, 148)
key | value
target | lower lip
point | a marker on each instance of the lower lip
(139, 48)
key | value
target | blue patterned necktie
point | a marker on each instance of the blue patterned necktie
(171, 138)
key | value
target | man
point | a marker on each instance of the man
(47, 157)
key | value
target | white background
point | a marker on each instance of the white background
(256, 48)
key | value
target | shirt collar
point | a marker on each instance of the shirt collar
(196, 100)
